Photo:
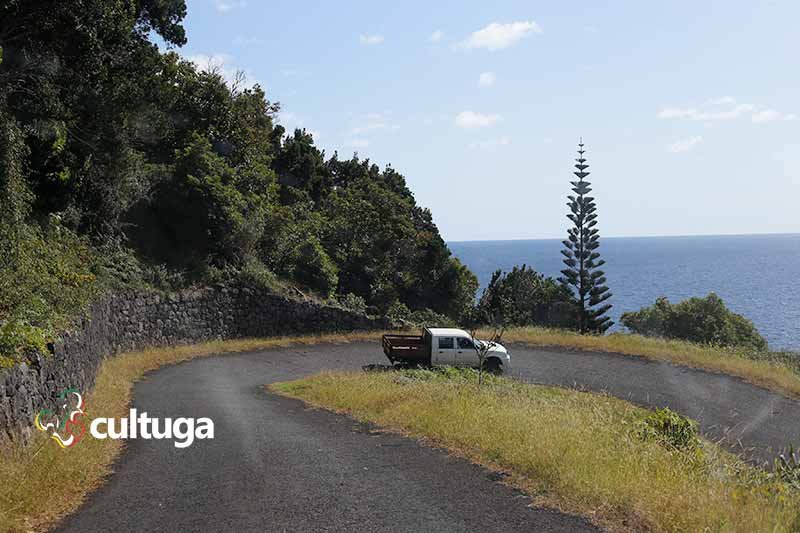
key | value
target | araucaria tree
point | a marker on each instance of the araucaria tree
(583, 274)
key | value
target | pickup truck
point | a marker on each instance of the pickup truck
(444, 346)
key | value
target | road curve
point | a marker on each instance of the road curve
(277, 466)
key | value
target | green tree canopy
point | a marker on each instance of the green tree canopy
(702, 320)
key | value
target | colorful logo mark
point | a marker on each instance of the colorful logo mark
(66, 427)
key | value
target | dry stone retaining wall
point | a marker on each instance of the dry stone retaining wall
(131, 320)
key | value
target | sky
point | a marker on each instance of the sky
(690, 111)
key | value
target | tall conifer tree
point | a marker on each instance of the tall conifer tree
(583, 274)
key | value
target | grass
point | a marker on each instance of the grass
(42, 482)
(575, 451)
(779, 372)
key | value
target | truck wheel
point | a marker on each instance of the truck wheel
(493, 366)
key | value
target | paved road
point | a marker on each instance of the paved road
(276, 466)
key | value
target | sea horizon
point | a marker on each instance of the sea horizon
(516, 239)
(752, 273)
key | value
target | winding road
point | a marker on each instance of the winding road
(275, 465)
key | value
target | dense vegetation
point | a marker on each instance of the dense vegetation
(125, 164)
(525, 297)
(701, 320)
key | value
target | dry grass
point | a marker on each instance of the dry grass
(576, 451)
(42, 482)
(757, 369)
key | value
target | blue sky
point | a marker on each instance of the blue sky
(690, 110)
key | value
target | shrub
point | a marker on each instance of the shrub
(314, 269)
(524, 297)
(702, 320)
(670, 428)
(398, 311)
(45, 280)
(353, 303)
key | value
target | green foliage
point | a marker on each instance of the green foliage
(702, 320)
(175, 176)
(399, 312)
(523, 297)
(44, 282)
(353, 302)
(19, 339)
(583, 262)
(670, 428)
(314, 269)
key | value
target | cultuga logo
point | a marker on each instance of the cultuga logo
(68, 426)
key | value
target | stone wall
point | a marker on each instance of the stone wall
(130, 320)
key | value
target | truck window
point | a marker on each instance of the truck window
(446, 343)
(465, 344)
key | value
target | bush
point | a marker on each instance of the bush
(524, 297)
(45, 280)
(670, 428)
(353, 303)
(314, 269)
(702, 320)
(398, 311)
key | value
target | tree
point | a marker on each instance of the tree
(702, 320)
(583, 274)
(525, 297)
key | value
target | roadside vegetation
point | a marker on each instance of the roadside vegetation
(40, 482)
(122, 164)
(701, 320)
(777, 371)
(624, 467)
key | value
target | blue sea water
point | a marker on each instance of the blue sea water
(757, 276)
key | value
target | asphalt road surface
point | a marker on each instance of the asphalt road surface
(275, 465)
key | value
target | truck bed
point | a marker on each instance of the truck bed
(407, 349)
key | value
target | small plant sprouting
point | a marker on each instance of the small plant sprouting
(787, 467)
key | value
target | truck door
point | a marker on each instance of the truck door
(444, 353)
(465, 352)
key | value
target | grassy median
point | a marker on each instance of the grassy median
(580, 452)
(41, 482)
(779, 372)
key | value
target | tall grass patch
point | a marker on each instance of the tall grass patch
(580, 452)
(777, 371)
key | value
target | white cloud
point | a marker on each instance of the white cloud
(491, 143)
(767, 115)
(684, 145)
(436, 36)
(497, 36)
(225, 6)
(359, 143)
(369, 40)
(725, 108)
(471, 119)
(373, 121)
(486, 79)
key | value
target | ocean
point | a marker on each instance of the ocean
(757, 276)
